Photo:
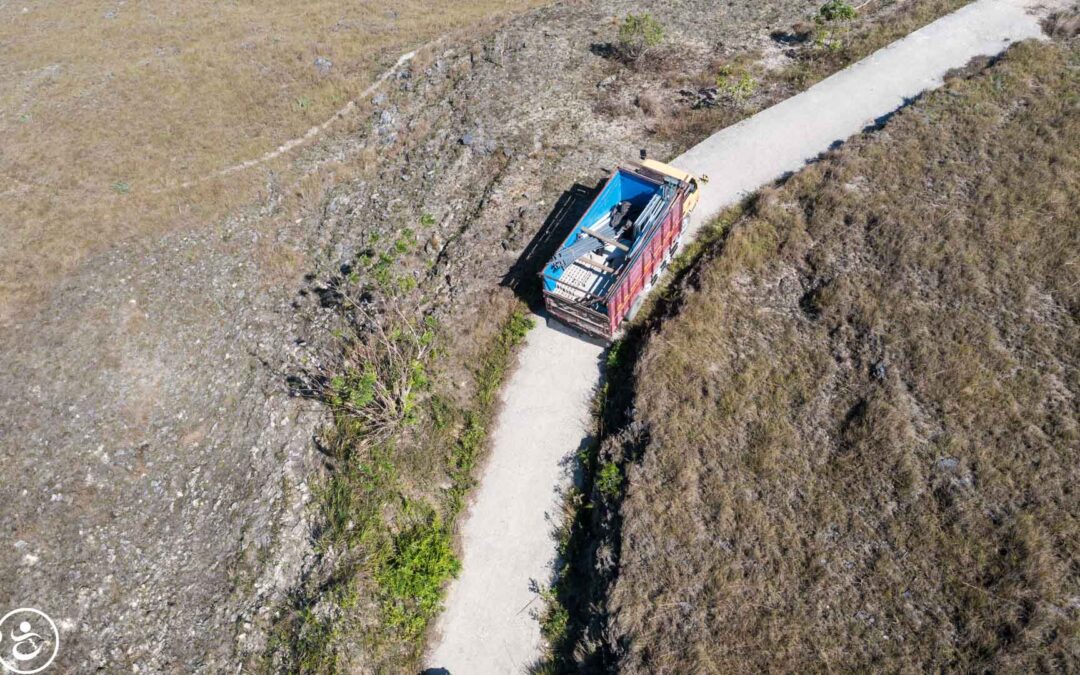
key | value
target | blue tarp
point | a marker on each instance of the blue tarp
(622, 186)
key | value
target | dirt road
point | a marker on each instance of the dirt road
(488, 626)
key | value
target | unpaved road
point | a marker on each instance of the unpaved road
(488, 625)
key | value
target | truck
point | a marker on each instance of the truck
(617, 250)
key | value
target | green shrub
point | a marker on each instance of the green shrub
(614, 355)
(609, 480)
(739, 85)
(555, 618)
(638, 34)
(412, 578)
(832, 20)
(516, 329)
(836, 10)
(355, 388)
(351, 498)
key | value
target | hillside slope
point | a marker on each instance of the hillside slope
(854, 434)
(180, 505)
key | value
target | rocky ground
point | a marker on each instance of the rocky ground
(158, 472)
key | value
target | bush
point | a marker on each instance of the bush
(413, 577)
(638, 34)
(615, 354)
(738, 85)
(836, 10)
(555, 619)
(609, 480)
(833, 19)
(383, 377)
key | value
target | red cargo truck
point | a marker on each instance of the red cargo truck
(619, 247)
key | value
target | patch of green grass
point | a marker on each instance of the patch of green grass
(493, 369)
(463, 458)
(352, 497)
(314, 639)
(121, 187)
(489, 378)
(406, 242)
(441, 413)
(555, 620)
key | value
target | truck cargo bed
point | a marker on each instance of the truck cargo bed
(615, 250)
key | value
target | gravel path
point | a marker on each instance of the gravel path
(488, 626)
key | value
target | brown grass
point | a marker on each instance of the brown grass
(106, 111)
(859, 431)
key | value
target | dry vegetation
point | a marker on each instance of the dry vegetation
(854, 442)
(747, 81)
(107, 109)
(412, 402)
(107, 112)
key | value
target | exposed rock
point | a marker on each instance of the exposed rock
(947, 464)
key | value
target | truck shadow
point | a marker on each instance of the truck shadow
(522, 275)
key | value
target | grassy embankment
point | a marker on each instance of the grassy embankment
(402, 461)
(854, 434)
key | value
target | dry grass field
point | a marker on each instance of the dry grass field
(855, 444)
(107, 109)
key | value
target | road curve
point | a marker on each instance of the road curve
(488, 626)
